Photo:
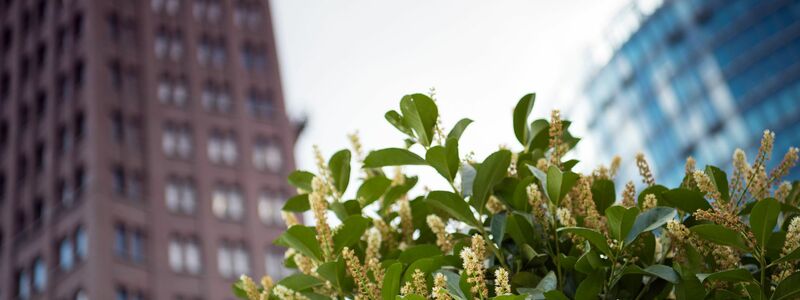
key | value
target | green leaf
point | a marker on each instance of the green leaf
(732, 275)
(656, 190)
(498, 227)
(555, 295)
(301, 179)
(420, 113)
(595, 238)
(559, 184)
(788, 288)
(297, 203)
(336, 273)
(521, 112)
(453, 283)
(660, 271)
(686, 200)
(453, 205)
(588, 262)
(493, 169)
(539, 135)
(649, 220)
(350, 233)
(418, 252)
(763, 219)
(720, 235)
(689, 286)
(603, 194)
(398, 122)
(373, 188)
(795, 254)
(590, 288)
(392, 157)
(548, 283)
(518, 227)
(303, 239)
(458, 129)
(339, 165)
(426, 265)
(391, 281)
(444, 159)
(300, 282)
(620, 220)
(238, 290)
(720, 180)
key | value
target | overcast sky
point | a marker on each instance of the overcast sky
(345, 63)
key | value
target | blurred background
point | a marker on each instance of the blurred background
(144, 144)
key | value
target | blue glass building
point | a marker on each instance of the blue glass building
(699, 78)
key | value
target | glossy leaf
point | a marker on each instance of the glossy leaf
(350, 233)
(373, 188)
(720, 235)
(491, 171)
(297, 203)
(649, 220)
(720, 180)
(590, 287)
(300, 282)
(339, 164)
(420, 114)
(521, 112)
(458, 129)
(763, 219)
(620, 220)
(788, 288)
(453, 205)
(519, 229)
(595, 238)
(301, 179)
(733, 275)
(685, 199)
(392, 157)
(398, 122)
(391, 281)
(303, 239)
(559, 183)
(418, 252)
(603, 194)
(660, 271)
(336, 273)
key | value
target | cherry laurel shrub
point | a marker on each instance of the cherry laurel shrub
(524, 225)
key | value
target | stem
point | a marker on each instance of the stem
(557, 258)
(762, 262)
(493, 248)
(645, 288)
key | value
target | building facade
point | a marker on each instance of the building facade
(702, 77)
(143, 148)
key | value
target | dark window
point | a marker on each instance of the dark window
(80, 126)
(122, 293)
(41, 57)
(39, 157)
(119, 180)
(80, 181)
(120, 241)
(22, 169)
(77, 75)
(41, 105)
(117, 127)
(38, 212)
(116, 75)
(114, 30)
(77, 26)
(64, 139)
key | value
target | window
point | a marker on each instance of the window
(269, 208)
(176, 141)
(168, 44)
(216, 98)
(222, 148)
(135, 186)
(184, 255)
(39, 275)
(211, 52)
(227, 202)
(253, 58)
(39, 157)
(260, 105)
(137, 246)
(118, 176)
(247, 15)
(65, 256)
(23, 285)
(66, 194)
(117, 127)
(81, 243)
(172, 91)
(207, 10)
(273, 264)
(81, 295)
(170, 7)
(179, 195)
(233, 260)
(120, 241)
(267, 155)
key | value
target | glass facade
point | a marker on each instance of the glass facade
(698, 78)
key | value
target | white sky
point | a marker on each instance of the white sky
(345, 63)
